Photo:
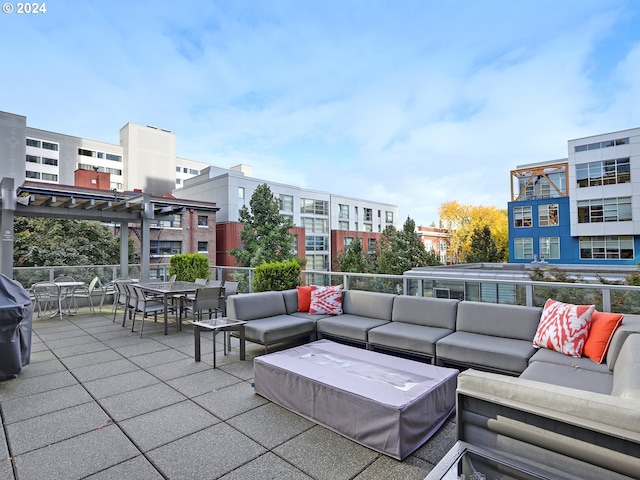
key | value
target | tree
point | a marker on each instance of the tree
(483, 247)
(354, 259)
(46, 241)
(462, 220)
(400, 250)
(265, 232)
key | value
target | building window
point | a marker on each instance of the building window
(286, 203)
(523, 248)
(49, 177)
(49, 161)
(203, 247)
(317, 262)
(114, 158)
(348, 241)
(86, 153)
(388, 216)
(343, 211)
(371, 245)
(604, 210)
(178, 169)
(203, 220)
(174, 222)
(50, 146)
(522, 217)
(314, 207)
(315, 225)
(178, 181)
(185, 170)
(548, 215)
(368, 214)
(549, 248)
(193, 171)
(33, 143)
(241, 192)
(33, 159)
(113, 171)
(342, 225)
(30, 174)
(597, 145)
(315, 243)
(609, 248)
(100, 154)
(368, 227)
(606, 172)
(165, 248)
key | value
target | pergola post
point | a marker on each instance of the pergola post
(124, 249)
(147, 215)
(6, 226)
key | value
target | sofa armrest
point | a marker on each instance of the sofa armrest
(588, 433)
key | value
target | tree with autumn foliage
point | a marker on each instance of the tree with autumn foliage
(463, 220)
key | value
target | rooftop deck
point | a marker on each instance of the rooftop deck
(99, 402)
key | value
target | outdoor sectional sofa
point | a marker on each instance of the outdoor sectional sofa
(571, 416)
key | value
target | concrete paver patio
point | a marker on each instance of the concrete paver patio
(99, 402)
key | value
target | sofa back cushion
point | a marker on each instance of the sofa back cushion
(291, 300)
(498, 320)
(432, 312)
(630, 325)
(251, 306)
(368, 304)
(626, 373)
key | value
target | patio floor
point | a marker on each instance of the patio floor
(99, 402)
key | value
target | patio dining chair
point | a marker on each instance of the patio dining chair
(47, 297)
(209, 299)
(86, 292)
(120, 296)
(145, 305)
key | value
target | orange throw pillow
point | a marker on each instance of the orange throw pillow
(304, 298)
(603, 326)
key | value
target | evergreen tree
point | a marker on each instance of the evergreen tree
(401, 250)
(354, 259)
(265, 232)
(483, 247)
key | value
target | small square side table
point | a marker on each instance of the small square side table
(218, 325)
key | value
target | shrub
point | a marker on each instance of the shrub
(189, 266)
(276, 276)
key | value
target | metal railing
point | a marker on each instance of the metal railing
(606, 297)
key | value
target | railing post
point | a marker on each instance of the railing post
(528, 295)
(606, 299)
(345, 281)
(251, 280)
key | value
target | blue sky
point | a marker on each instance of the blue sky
(414, 103)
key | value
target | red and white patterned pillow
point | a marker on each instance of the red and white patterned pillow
(326, 301)
(564, 327)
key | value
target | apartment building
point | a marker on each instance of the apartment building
(583, 209)
(145, 160)
(324, 223)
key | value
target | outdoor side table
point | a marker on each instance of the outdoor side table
(218, 325)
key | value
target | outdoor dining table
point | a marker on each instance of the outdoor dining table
(168, 290)
(65, 292)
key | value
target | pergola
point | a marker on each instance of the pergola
(36, 199)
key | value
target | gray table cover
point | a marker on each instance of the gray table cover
(389, 404)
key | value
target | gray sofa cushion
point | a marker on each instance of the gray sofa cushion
(290, 300)
(368, 304)
(626, 375)
(551, 356)
(630, 324)
(432, 312)
(498, 320)
(353, 327)
(277, 328)
(408, 337)
(255, 305)
(569, 376)
(483, 351)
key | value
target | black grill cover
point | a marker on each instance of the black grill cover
(16, 316)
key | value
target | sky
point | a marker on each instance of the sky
(411, 103)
